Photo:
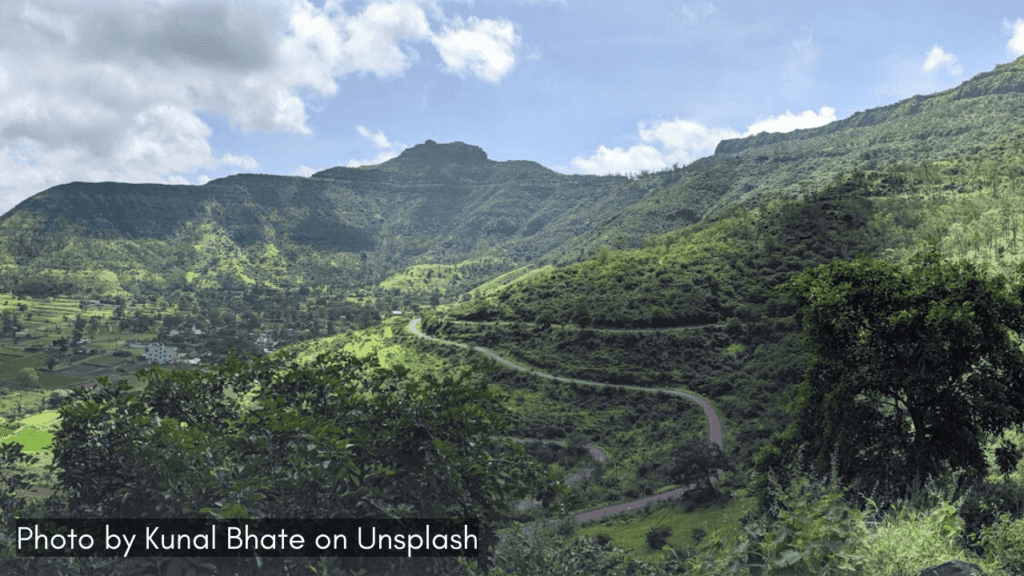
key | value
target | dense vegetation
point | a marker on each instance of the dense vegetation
(902, 440)
(911, 369)
(333, 437)
(960, 122)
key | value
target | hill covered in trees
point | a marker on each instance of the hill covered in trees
(672, 279)
(436, 203)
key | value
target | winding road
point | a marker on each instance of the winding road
(714, 424)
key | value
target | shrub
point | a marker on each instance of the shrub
(734, 326)
(909, 540)
(658, 536)
(1004, 543)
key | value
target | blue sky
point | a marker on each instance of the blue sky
(186, 91)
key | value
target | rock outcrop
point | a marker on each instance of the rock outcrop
(953, 568)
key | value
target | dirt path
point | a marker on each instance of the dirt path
(714, 423)
(600, 329)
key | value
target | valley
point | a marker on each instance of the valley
(368, 341)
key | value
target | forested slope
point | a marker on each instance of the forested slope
(696, 307)
(961, 122)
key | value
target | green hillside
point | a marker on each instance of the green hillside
(667, 281)
(979, 114)
(435, 203)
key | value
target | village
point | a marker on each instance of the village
(60, 343)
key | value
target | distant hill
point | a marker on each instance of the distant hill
(433, 203)
(445, 203)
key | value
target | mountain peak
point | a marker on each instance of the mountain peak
(433, 154)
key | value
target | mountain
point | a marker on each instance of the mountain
(985, 111)
(692, 306)
(446, 203)
(433, 203)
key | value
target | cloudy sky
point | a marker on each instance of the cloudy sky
(185, 91)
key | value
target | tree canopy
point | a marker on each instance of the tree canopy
(912, 367)
(283, 437)
(696, 463)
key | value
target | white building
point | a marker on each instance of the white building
(159, 354)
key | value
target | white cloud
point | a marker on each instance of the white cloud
(1015, 47)
(304, 171)
(803, 43)
(382, 156)
(788, 122)
(114, 90)
(683, 141)
(484, 47)
(202, 179)
(694, 11)
(621, 161)
(247, 162)
(379, 139)
(374, 36)
(905, 76)
(388, 150)
(939, 57)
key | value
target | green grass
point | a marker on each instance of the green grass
(10, 369)
(48, 418)
(630, 532)
(510, 278)
(421, 277)
(49, 381)
(104, 361)
(33, 440)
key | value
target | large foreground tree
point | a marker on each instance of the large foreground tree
(912, 367)
(283, 437)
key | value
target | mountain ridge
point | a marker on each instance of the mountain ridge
(445, 203)
(1005, 78)
(982, 112)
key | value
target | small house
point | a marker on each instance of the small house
(157, 353)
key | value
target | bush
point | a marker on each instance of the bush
(734, 326)
(909, 539)
(658, 536)
(1004, 543)
(547, 553)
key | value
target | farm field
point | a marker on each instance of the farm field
(34, 432)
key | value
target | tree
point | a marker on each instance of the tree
(29, 377)
(285, 437)
(1007, 457)
(911, 368)
(76, 333)
(548, 551)
(658, 536)
(696, 463)
(10, 323)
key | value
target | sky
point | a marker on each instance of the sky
(181, 92)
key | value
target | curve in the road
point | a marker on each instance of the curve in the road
(714, 423)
